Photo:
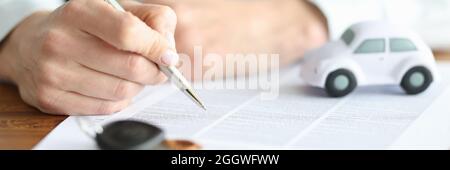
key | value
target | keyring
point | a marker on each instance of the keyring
(131, 135)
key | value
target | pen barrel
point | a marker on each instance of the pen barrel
(171, 72)
(115, 4)
(175, 77)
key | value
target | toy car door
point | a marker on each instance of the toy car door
(399, 50)
(371, 55)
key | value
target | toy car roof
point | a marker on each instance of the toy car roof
(380, 29)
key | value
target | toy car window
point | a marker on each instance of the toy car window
(401, 45)
(371, 46)
(348, 36)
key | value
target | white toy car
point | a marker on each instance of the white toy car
(371, 53)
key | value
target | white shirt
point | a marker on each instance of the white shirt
(14, 11)
(430, 18)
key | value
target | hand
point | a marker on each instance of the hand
(88, 58)
(285, 27)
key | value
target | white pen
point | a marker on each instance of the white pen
(171, 71)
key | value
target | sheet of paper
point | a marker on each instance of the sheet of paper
(301, 117)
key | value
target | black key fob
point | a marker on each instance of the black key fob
(130, 135)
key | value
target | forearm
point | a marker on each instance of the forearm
(285, 27)
(295, 26)
(310, 29)
(12, 13)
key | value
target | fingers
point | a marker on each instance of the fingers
(53, 100)
(63, 102)
(97, 55)
(160, 18)
(99, 85)
(70, 76)
(82, 105)
(73, 89)
(122, 30)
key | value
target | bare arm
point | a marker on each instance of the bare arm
(285, 27)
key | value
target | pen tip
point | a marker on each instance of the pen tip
(196, 99)
(203, 107)
(199, 103)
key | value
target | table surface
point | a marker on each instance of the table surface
(22, 126)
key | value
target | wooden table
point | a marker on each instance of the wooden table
(22, 126)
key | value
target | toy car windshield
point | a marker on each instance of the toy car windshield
(348, 36)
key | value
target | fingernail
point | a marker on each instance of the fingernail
(171, 40)
(170, 58)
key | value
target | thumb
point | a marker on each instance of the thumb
(163, 20)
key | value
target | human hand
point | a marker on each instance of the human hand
(88, 58)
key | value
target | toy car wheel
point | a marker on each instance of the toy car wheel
(416, 80)
(340, 83)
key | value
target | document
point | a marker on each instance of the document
(301, 117)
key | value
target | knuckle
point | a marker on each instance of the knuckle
(72, 7)
(136, 67)
(157, 48)
(168, 14)
(108, 107)
(47, 75)
(105, 107)
(160, 78)
(123, 90)
(44, 100)
(127, 29)
(50, 42)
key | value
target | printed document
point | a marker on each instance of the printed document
(301, 117)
